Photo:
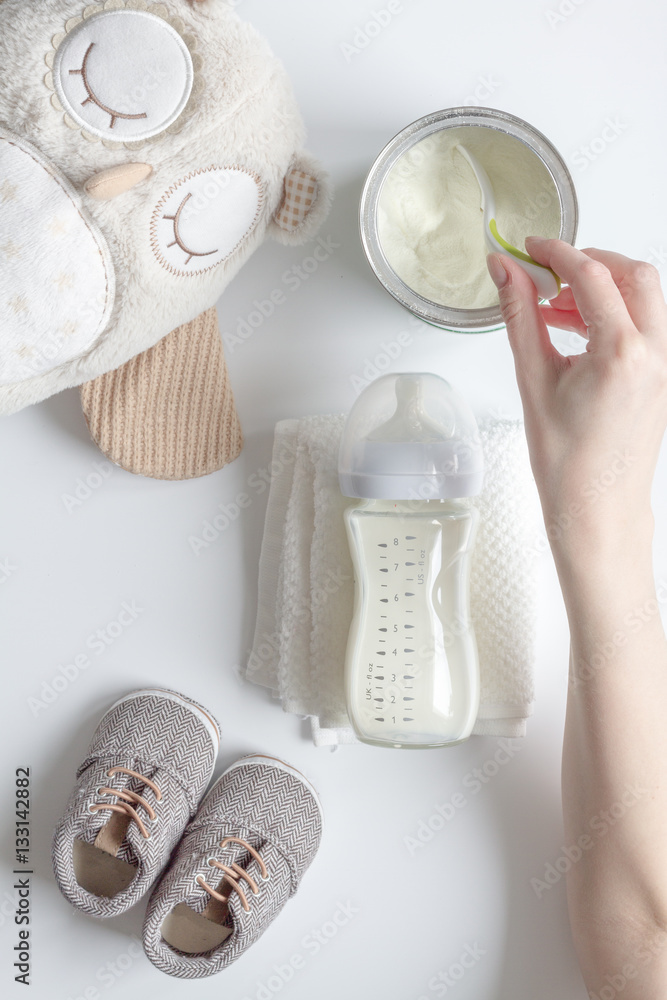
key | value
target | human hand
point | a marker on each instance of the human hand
(594, 421)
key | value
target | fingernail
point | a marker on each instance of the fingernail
(535, 239)
(497, 270)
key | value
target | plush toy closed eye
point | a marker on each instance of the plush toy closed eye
(146, 150)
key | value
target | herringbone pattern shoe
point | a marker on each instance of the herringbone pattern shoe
(143, 778)
(240, 859)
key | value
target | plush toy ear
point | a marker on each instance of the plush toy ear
(305, 202)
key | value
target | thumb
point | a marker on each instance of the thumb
(534, 354)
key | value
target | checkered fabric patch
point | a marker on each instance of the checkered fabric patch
(300, 196)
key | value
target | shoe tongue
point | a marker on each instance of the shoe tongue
(117, 833)
(232, 913)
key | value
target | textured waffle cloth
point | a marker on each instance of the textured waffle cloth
(306, 584)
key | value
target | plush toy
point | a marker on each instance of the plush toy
(146, 150)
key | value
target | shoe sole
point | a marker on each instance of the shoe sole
(210, 726)
(268, 760)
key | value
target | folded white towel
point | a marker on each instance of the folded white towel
(306, 582)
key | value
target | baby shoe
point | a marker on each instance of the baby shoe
(240, 859)
(146, 770)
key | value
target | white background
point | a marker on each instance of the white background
(72, 570)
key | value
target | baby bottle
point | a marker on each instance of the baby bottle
(411, 453)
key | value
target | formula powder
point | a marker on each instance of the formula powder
(430, 222)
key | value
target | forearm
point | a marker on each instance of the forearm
(615, 758)
(595, 422)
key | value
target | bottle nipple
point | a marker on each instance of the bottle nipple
(410, 421)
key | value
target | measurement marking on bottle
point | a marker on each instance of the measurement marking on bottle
(384, 600)
(382, 720)
(410, 538)
(408, 650)
(378, 699)
(408, 699)
(381, 652)
(407, 564)
(380, 677)
(382, 630)
(408, 626)
(408, 594)
(408, 677)
(382, 545)
(383, 570)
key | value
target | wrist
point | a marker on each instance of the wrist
(579, 534)
(606, 563)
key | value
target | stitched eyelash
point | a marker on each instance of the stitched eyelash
(92, 99)
(177, 236)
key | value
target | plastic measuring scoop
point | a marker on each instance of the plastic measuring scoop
(545, 280)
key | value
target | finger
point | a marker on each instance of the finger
(534, 354)
(564, 299)
(639, 284)
(598, 300)
(564, 319)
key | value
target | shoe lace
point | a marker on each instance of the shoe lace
(128, 799)
(234, 873)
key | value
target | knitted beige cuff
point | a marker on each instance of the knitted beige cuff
(169, 413)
